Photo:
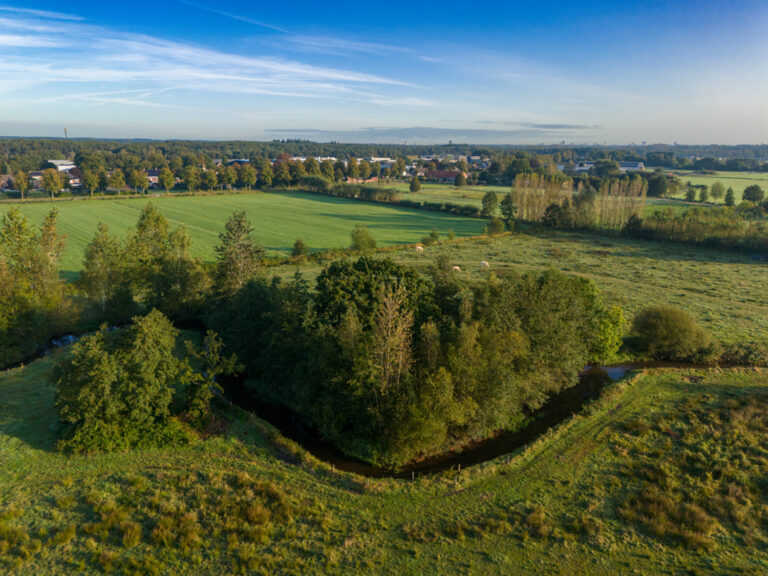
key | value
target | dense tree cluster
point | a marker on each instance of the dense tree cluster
(33, 303)
(152, 269)
(557, 203)
(390, 365)
(115, 389)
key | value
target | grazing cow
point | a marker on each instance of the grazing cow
(485, 264)
(456, 269)
(419, 248)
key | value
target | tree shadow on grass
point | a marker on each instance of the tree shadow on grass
(411, 220)
(619, 247)
(27, 410)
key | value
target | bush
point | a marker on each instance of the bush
(495, 226)
(362, 241)
(432, 239)
(300, 248)
(669, 333)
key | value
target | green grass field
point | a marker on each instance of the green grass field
(470, 195)
(736, 180)
(473, 195)
(724, 291)
(247, 501)
(278, 220)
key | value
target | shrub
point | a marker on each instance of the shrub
(495, 226)
(669, 333)
(745, 354)
(300, 248)
(431, 239)
(362, 241)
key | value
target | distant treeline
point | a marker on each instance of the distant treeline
(29, 154)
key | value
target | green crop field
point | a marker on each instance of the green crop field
(278, 219)
(248, 501)
(736, 180)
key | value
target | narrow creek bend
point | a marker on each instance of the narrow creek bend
(559, 407)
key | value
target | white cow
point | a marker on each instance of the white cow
(485, 264)
(456, 269)
(419, 248)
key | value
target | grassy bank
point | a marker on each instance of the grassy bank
(247, 501)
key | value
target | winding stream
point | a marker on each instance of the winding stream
(558, 408)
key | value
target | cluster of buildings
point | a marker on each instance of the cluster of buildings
(584, 166)
(69, 172)
(415, 166)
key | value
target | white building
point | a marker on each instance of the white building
(62, 165)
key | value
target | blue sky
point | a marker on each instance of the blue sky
(485, 72)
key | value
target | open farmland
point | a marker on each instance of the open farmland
(736, 180)
(278, 219)
(469, 195)
(724, 291)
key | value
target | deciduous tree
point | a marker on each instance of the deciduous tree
(51, 181)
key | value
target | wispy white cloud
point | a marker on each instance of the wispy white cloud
(334, 45)
(39, 13)
(94, 57)
(27, 41)
(233, 16)
(315, 44)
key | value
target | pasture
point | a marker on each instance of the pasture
(278, 220)
(469, 195)
(246, 500)
(725, 291)
(736, 180)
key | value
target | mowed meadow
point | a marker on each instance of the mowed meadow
(278, 220)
